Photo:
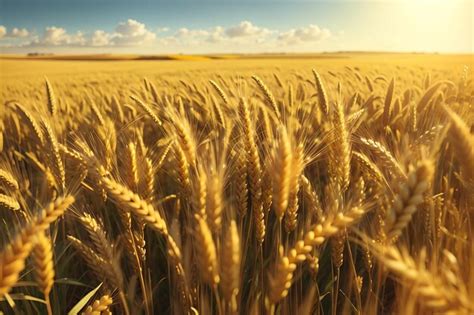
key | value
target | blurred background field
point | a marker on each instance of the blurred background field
(112, 70)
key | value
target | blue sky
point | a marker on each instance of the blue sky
(194, 26)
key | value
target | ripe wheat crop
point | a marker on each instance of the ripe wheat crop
(333, 189)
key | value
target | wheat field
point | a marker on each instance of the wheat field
(314, 185)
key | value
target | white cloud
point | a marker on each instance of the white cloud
(245, 29)
(216, 35)
(186, 37)
(128, 33)
(184, 32)
(17, 32)
(54, 36)
(243, 37)
(58, 36)
(77, 39)
(310, 33)
(131, 33)
(3, 31)
(100, 38)
(243, 33)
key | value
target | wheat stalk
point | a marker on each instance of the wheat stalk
(341, 153)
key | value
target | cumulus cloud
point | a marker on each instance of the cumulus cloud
(245, 29)
(58, 36)
(54, 36)
(128, 33)
(310, 33)
(184, 32)
(245, 36)
(100, 38)
(185, 36)
(244, 32)
(3, 31)
(216, 35)
(14, 33)
(17, 32)
(132, 32)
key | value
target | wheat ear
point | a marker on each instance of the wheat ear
(32, 122)
(463, 142)
(99, 307)
(214, 202)
(387, 109)
(386, 157)
(9, 203)
(281, 278)
(230, 265)
(240, 181)
(131, 202)
(322, 96)
(185, 138)
(52, 102)
(254, 170)
(12, 258)
(96, 111)
(291, 216)
(219, 91)
(147, 110)
(372, 170)
(100, 266)
(98, 236)
(131, 166)
(206, 252)
(44, 266)
(58, 166)
(43, 259)
(439, 292)
(409, 196)
(282, 168)
(268, 95)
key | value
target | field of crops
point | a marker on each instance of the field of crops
(336, 184)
